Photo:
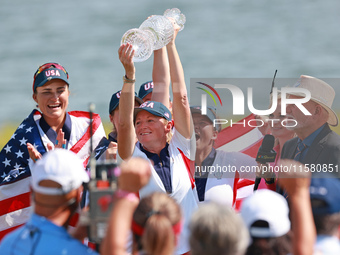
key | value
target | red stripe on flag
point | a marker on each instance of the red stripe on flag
(6, 231)
(189, 164)
(96, 121)
(244, 182)
(231, 133)
(81, 114)
(237, 177)
(253, 149)
(15, 203)
(74, 220)
(237, 205)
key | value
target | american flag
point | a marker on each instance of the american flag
(245, 139)
(14, 164)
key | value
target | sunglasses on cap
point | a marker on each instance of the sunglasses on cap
(47, 66)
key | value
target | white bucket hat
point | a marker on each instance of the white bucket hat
(321, 93)
(268, 206)
(61, 166)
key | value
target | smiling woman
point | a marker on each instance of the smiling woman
(152, 122)
(42, 131)
(52, 99)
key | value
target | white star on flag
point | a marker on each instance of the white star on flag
(7, 148)
(6, 162)
(21, 126)
(7, 178)
(13, 136)
(35, 146)
(16, 166)
(29, 129)
(19, 154)
(23, 141)
(3, 175)
(98, 150)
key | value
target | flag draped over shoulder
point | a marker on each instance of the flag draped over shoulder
(15, 172)
(243, 138)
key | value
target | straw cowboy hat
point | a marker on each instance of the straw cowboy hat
(321, 93)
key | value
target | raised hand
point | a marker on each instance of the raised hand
(33, 152)
(126, 53)
(60, 142)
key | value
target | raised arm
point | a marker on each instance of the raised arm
(297, 185)
(161, 77)
(126, 135)
(135, 174)
(180, 106)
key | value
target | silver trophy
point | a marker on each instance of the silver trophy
(153, 34)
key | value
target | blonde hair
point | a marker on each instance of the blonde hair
(157, 214)
(168, 135)
(217, 230)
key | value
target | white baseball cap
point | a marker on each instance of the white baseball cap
(268, 206)
(62, 166)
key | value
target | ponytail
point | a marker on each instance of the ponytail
(156, 224)
(158, 237)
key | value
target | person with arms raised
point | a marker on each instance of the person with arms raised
(152, 123)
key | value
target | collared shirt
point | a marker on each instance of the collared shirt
(161, 165)
(41, 236)
(201, 180)
(180, 150)
(51, 134)
(308, 141)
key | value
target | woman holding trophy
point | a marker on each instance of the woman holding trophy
(152, 123)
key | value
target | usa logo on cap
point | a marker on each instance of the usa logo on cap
(52, 72)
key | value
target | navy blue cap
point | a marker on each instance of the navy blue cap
(145, 89)
(115, 100)
(47, 72)
(325, 195)
(155, 108)
(211, 114)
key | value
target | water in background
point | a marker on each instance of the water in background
(222, 38)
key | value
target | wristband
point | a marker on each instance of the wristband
(126, 194)
(127, 80)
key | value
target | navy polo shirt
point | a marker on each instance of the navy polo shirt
(201, 181)
(161, 165)
(51, 134)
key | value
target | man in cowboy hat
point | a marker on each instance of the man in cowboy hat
(316, 145)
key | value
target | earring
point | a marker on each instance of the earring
(37, 105)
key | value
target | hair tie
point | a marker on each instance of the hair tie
(139, 230)
(152, 212)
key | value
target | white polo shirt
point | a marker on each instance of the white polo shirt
(221, 178)
(181, 151)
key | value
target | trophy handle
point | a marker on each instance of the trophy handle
(176, 14)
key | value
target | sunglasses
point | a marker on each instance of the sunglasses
(49, 65)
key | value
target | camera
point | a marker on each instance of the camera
(101, 187)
